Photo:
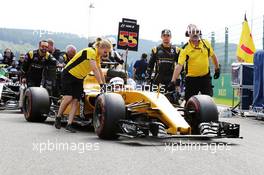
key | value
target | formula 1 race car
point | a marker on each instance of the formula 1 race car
(131, 111)
(10, 89)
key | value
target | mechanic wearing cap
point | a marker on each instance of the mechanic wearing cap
(163, 57)
(75, 71)
(194, 56)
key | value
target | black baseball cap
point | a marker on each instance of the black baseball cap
(166, 32)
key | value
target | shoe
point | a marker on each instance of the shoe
(58, 122)
(69, 128)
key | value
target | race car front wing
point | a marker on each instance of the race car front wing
(156, 129)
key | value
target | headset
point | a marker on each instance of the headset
(11, 53)
(193, 29)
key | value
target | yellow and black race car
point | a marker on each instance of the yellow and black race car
(129, 111)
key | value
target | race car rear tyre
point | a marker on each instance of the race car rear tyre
(36, 103)
(200, 108)
(109, 109)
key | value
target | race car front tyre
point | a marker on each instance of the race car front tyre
(109, 109)
(36, 104)
(200, 108)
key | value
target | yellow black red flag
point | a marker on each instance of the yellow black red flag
(246, 47)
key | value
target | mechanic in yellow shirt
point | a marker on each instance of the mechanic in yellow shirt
(75, 71)
(194, 56)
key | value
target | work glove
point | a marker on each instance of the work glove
(217, 73)
(171, 86)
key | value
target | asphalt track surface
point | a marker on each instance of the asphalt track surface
(39, 148)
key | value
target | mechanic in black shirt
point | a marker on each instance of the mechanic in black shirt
(163, 58)
(20, 61)
(39, 67)
(8, 57)
(66, 56)
(53, 50)
(114, 56)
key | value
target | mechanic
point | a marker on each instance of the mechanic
(163, 57)
(64, 58)
(140, 68)
(36, 66)
(114, 56)
(194, 56)
(75, 71)
(20, 61)
(8, 57)
(53, 50)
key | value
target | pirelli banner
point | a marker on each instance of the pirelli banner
(128, 32)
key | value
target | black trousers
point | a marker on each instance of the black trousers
(194, 85)
(162, 79)
(33, 82)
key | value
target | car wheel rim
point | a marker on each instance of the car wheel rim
(99, 119)
(27, 106)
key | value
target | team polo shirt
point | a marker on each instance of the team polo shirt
(37, 53)
(79, 65)
(197, 60)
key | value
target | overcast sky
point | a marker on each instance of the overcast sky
(152, 15)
